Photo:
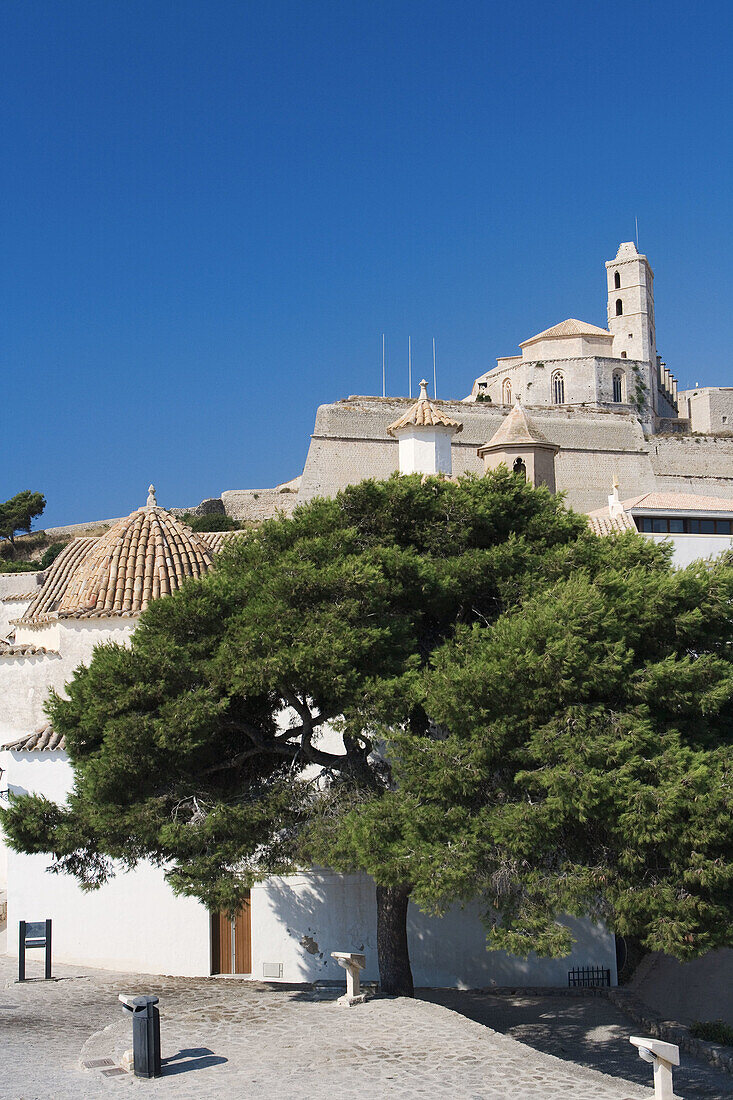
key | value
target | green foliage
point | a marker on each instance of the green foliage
(19, 566)
(212, 522)
(17, 514)
(713, 1031)
(525, 713)
(49, 556)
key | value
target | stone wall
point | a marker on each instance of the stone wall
(254, 505)
(587, 381)
(710, 408)
(350, 443)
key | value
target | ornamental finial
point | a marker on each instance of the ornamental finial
(152, 502)
(423, 391)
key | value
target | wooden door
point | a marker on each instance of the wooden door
(231, 942)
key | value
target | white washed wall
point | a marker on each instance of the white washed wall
(297, 921)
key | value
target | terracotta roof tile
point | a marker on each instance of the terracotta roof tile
(605, 524)
(20, 597)
(148, 555)
(43, 739)
(48, 597)
(23, 649)
(516, 428)
(215, 540)
(424, 414)
(571, 327)
(687, 502)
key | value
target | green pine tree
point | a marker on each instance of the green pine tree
(498, 678)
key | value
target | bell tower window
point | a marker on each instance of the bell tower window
(558, 389)
(619, 308)
(617, 280)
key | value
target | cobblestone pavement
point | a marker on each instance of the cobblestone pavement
(228, 1038)
(588, 1031)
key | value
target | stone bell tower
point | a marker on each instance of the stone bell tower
(631, 305)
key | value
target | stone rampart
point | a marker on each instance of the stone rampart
(350, 443)
(254, 505)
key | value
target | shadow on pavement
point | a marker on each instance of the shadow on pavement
(193, 1058)
(590, 1032)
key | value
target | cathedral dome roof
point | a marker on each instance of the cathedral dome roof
(148, 555)
(423, 414)
(570, 327)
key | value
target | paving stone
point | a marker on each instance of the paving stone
(232, 1039)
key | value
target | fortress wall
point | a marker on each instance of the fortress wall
(710, 409)
(350, 442)
(257, 504)
(694, 464)
(586, 477)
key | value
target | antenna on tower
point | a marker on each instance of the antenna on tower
(636, 223)
(435, 383)
(384, 375)
(409, 362)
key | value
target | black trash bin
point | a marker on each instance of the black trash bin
(145, 1034)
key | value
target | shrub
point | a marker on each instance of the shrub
(51, 554)
(210, 522)
(19, 566)
(713, 1031)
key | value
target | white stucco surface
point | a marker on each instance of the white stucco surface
(689, 548)
(134, 922)
(25, 681)
(425, 450)
(298, 920)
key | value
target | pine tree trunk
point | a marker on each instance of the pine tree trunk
(395, 975)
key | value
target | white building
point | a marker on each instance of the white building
(94, 592)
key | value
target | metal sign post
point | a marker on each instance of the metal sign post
(32, 934)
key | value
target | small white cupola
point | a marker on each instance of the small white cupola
(424, 434)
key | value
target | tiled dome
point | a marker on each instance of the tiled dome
(148, 555)
(423, 414)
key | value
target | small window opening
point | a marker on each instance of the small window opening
(506, 392)
(617, 280)
(619, 308)
(558, 389)
(623, 355)
(520, 468)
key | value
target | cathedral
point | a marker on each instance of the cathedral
(590, 412)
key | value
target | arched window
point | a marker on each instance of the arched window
(558, 389)
(617, 280)
(619, 308)
(519, 468)
(618, 385)
(506, 392)
(623, 354)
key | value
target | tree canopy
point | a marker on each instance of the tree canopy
(18, 513)
(452, 685)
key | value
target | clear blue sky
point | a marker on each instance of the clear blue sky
(211, 211)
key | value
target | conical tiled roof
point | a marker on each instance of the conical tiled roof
(148, 555)
(424, 414)
(517, 428)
